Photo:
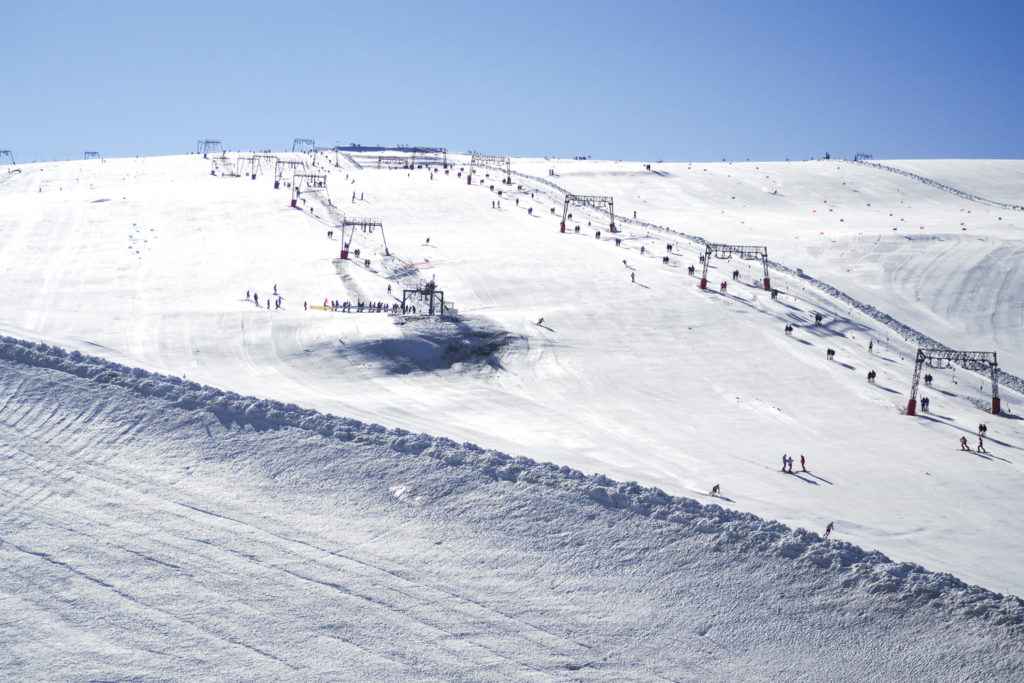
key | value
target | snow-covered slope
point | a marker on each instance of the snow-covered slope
(157, 528)
(147, 262)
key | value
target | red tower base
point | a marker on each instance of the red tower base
(703, 283)
(912, 407)
(562, 228)
(767, 284)
(254, 176)
(995, 406)
(277, 184)
(344, 253)
(469, 180)
(294, 201)
(611, 227)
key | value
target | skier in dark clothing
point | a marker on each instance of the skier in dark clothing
(803, 466)
(714, 491)
(963, 444)
(828, 529)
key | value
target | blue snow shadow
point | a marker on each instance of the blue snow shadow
(432, 344)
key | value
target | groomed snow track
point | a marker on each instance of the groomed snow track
(155, 527)
(905, 331)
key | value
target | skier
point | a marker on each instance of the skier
(803, 465)
(981, 445)
(256, 298)
(963, 444)
(789, 465)
(541, 321)
(305, 306)
(714, 491)
(389, 289)
(785, 460)
(871, 346)
(632, 277)
(247, 295)
(828, 529)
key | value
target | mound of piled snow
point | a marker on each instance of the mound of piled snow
(154, 527)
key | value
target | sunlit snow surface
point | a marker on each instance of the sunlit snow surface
(150, 534)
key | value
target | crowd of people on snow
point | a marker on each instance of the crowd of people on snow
(367, 307)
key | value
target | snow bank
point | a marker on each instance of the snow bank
(907, 583)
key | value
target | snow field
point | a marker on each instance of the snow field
(160, 528)
(652, 381)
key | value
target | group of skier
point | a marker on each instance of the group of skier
(981, 443)
(787, 463)
(255, 298)
(367, 307)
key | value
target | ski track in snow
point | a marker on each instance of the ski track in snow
(306, 565)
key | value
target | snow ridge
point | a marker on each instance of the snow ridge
(871, 571)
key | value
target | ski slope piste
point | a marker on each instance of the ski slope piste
(158, 527)
(518, 488)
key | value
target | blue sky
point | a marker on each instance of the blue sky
(678, 81)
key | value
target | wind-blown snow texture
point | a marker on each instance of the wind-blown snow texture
(156, 526)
